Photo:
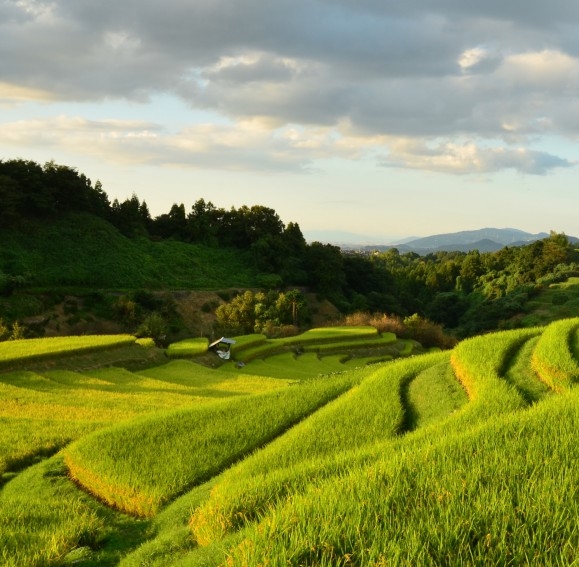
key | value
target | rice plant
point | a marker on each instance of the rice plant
(139, 466)
(553, 359)
(368, 414)
(480, 364)
(188, 347)
(32, 349)
(500, 494)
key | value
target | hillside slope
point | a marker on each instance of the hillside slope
(82, 250)
(465, 457)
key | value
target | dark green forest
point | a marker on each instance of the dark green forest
(59, 230)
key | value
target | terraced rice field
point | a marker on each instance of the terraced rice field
(299, 457)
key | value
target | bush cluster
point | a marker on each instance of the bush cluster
(415, 327)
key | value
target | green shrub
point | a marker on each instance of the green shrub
(560, 298)
(154, 326)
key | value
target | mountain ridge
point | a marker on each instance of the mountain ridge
(484, 240)
(504, 236)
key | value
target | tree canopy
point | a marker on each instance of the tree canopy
(467, 292)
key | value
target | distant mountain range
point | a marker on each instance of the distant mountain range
(483, 240)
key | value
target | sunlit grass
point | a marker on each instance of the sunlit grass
(188, 347)
(43, 517)
(41, 413)
(314, 339)
(480, 362)
(400, 469)
(553, 359)
(522, 376)
(367, 414)
(433, 394)
(500, 494)
(32, 349)
(139, 466)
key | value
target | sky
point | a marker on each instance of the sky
(377, 118)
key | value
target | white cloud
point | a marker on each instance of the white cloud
(248, 145)
(468, 158)
(320, 79)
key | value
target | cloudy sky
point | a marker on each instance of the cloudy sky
(381, 118)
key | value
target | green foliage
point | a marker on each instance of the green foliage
(251, 312)
(479, 362)
(432, 395)
(244, 342)
(4, 331)
(60, 230)
(475, 292)
(367, 414)
(18, 332)
(399, 468)
(319, 339)
(41, 520)
(85, 251)
(325, 266)
(153, 326)
(428, 334)
(473, 498)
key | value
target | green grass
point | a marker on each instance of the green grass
(557, 301)
(351, 345)
(32, 349)
(480, 363)
(287, 366)
(188, 347)
(450, 458)
(324, 340)
(553, 358)
(42, 412)
(522, 376)
(139, 466)
(496, 495)
(246, 341)
(45, 520)
(367, 414)
(433, 394)
(335, 334)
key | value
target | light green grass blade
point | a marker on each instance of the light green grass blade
(553, 359)
(363, 417)
(500, 494)
(432, 395)
(140, 466)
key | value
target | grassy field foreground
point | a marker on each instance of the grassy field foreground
(305, 457)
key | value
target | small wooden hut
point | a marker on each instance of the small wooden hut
(222, 347)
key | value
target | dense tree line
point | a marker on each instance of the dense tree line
(466, 292)
(29, 189)
(474, 292)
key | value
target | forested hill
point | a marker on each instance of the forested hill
(58, 229)
(30, 192)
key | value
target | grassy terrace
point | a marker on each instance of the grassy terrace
(318, 458)
(554, 357)
(188, 347)
(33, 349)
(323, 340)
